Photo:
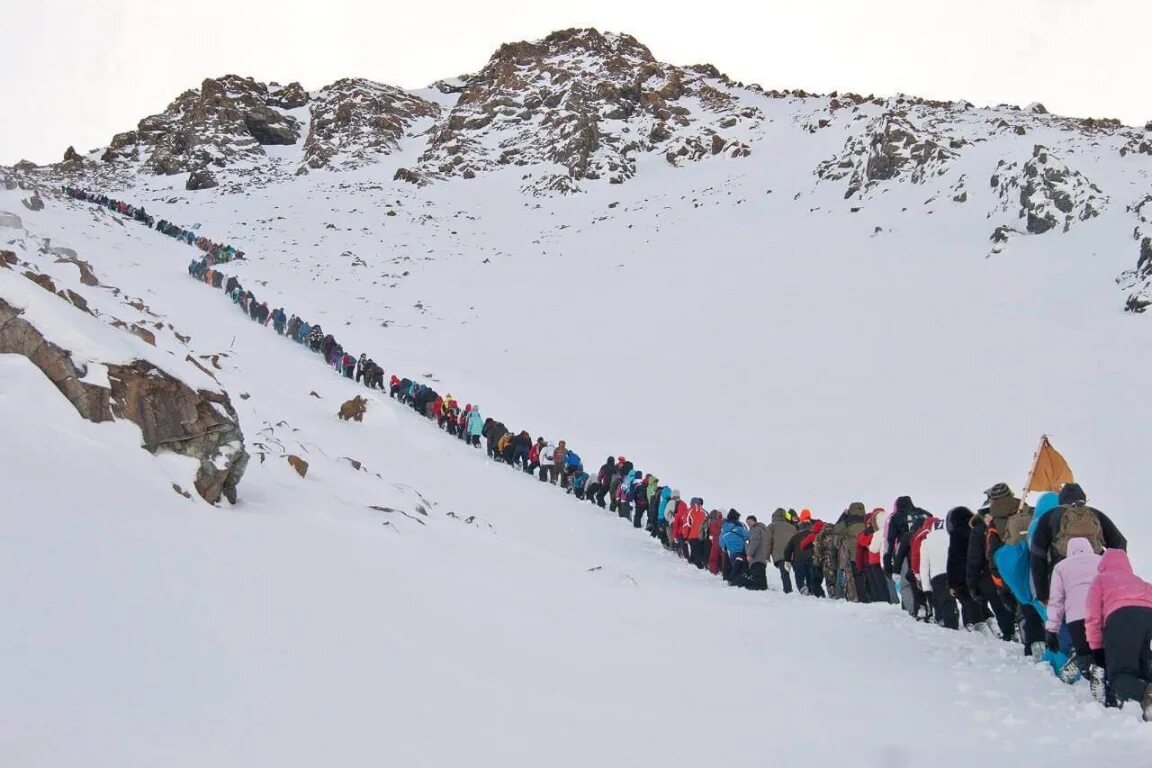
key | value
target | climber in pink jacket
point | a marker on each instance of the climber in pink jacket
(1068, 593)
(1119, 622)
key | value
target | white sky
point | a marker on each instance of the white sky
(77, 72)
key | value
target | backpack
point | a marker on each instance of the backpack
(1079, 520)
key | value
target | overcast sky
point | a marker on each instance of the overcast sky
(78, 72)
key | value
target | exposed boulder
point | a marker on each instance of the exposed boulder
(353, 409)
(71, 155)
(291, 96)
(171, 415)
(298, 464)
(201, 178)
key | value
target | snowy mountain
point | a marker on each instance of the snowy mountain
(582, 109)
(764, 297)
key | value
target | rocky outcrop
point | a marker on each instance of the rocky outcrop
(891, 147)
(71, 155)
(201, 178)
(356, 121)
(354, 409)
(171, 415)
(1045, 193)
(226, 120)
(291, 96)
(1138, 281)
(591, 103)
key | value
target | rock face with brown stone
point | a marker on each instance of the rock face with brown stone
(356, 121)
(224, 121)
(589, 102)
(353, 409)
(171, 415)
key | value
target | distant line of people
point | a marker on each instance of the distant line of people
(1055, 578)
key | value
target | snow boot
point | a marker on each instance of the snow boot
(1096, 683)
(987, 629)
(1070, 672)
(1038, 649)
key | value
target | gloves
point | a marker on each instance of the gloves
(1053, 641)
(888, 564)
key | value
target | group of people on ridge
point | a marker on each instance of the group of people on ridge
(1055, 577)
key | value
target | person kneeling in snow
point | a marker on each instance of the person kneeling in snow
(1068, 603)
(1118, 624)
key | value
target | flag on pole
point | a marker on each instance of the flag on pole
(1051, 471)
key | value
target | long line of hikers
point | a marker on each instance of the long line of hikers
(1055, 577)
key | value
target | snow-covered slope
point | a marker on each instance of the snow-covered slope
(882, 296)
(303, 626)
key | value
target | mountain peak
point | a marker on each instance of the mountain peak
(574, 42)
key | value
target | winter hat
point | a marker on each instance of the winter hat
(805, 515)
(675, 494)
(998, 491)
(1071, 494)
(733, 516)
(698, 500)
(620, 460)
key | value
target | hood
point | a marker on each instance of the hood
(903, 504)
(779, 516)
(1080, 546)
(1072, 493)
(957, 519)
(666, 493)
(856, 508)
(1113, 561)
(675, 494)
(1046, 503)
(653, 482)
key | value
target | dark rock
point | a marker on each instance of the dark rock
(201, 178)
(291, 96)
(71, 155)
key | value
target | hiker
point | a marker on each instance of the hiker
(1118, 624)
(757, 551)
(780, 532)
(547, 461)
(475, 425)
(559, 459)
(973, 613)
(677, 512)
(845, 531)
(1074, 517)
(733, 541)
(979, 578)
(933, 574)
(695, 531)
(522, 445)
(717, 557)
(1068, 602)
(1008, 520)
(598, 489)
(534, 455)
(880, 587)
